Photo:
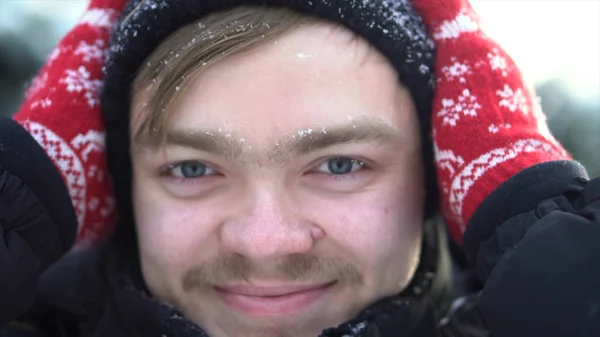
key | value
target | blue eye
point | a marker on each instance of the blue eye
(340, 166)
(190, 170)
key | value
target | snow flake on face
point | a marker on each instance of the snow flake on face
(304, 133)
(456, 71)
(465, 104)
(99, 17)
(451, 29)
(91, 52)
(513, 99)
(80, 80)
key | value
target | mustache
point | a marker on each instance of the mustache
(236, 268)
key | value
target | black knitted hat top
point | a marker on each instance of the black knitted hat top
(391, 26)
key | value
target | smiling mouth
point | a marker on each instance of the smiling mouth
(272, 301)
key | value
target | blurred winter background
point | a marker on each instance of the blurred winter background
(556, 43)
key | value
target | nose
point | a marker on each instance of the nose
(267, 228)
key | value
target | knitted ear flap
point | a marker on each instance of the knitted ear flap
(487, 123)
(62, 112)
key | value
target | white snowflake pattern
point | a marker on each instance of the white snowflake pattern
(456, 70)
(43, 103)
(92, 170)
(513, 99)
(493, 128)
(451, 29)
(466, 104)
(93, 51)
(86, 143)
(109, 207)
(471, 173)
(447, 160)
(93, 204)
(80, 80)
(67, 161)
(498, 62)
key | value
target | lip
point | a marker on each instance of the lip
(272, 301)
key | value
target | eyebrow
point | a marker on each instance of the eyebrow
(288, 147)
(310, 140)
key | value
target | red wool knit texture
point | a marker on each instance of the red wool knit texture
(62, 112)
(487, 123)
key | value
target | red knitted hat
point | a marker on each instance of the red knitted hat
(61, 110)
(487, 124)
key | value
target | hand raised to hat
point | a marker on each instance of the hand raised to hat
(529, 213)
(487, 123)
(62, 112)
(53, 181)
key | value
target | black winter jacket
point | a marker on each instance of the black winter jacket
(533, 243)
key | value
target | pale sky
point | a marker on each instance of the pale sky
(547, 38)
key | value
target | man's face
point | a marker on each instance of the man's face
(289, 195)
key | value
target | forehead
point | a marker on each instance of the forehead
(314, 75)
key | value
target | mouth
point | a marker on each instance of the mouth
(272, 301)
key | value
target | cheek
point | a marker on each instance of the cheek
(170, 232)
(377, 227)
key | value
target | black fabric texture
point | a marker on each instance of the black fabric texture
(21, 156)
(22, 213)
(19, 270)
(520, 194)
(37, 219)
(20, 331)
(71, 295)
(541, 268)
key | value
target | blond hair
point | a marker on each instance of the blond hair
(193, 48)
